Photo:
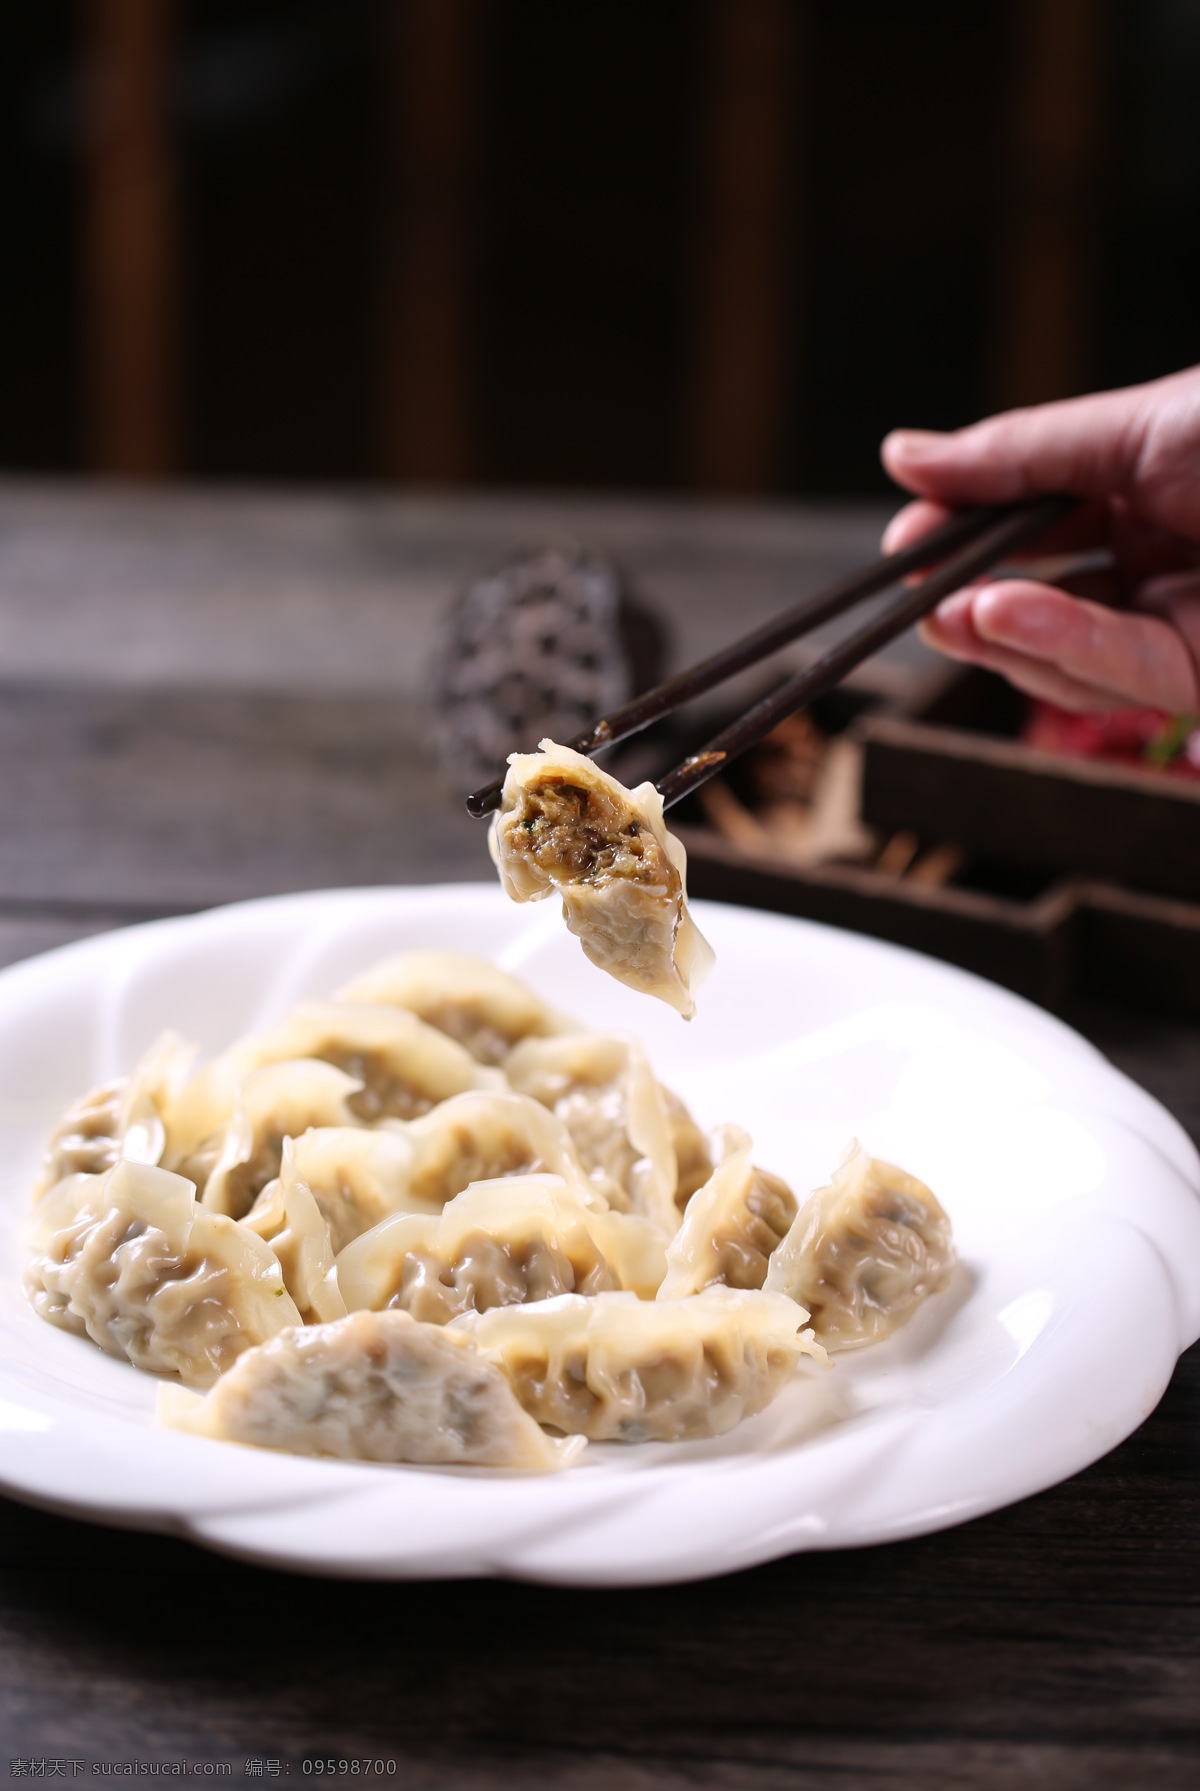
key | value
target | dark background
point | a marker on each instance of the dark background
(716, 246)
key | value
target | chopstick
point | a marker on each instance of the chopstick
(1018, 524)
(994, 529)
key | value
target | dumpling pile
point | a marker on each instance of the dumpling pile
(431, 1220)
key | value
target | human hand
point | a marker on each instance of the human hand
(1134, 457)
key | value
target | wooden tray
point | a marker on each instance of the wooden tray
(1077, 938)
(1112, 852)
(950, 774)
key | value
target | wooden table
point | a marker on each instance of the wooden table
(205, 697)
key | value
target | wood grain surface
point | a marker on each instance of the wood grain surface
(1057, 1643)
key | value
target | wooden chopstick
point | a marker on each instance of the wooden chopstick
(989, 531)
(1007, 531)
(793, 623)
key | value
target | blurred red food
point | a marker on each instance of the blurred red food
(1147, 738)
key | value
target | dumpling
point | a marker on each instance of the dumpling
(616, 1367)
(359, 1178)
(123, 1118)
(131, 1260)
(288, 1217)
(472, 1001)
(356, 1177)
(403, 1066)
(496, 1244)
(273, 1104)
(864, 1252)
(376, 1386)
(564, 825)
(731, 1226)
(693, 1158)
(479, 1137)
(601, 1086)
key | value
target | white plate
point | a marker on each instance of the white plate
(1075, 1201)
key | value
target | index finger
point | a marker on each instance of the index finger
(1137, 447)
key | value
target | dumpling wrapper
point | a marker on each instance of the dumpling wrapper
(602, 1088)
(622, 1369)
(131, 1260)
(474, 1002)
(376, 1386)
(566, 827)
(499, 1243)
(864, 1252)
(731, 1226)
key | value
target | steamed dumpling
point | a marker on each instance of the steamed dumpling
(403, 1066)
(272, 1105)
(566, 827)
(130, 1259)
(290, 1220)
(636, 1371)
(601, 1086)
(731, 1225)
(864, 1252)
(376, 1386)
(359, 1178)
(469, 999)
(356, 1177)
(693, 1157)
(479, 1137)
(496, 1244)
(123, 1118)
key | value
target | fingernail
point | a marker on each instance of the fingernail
(913, 444)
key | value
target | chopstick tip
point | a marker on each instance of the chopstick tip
(481, 803)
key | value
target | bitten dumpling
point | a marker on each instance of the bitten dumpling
(498, 1243)
(565, 826)
(732, 1225)
(130, 1259)
(636, 1371)
(376, 1386)
(469, 999)
(864, 1252)
(601, 1086)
